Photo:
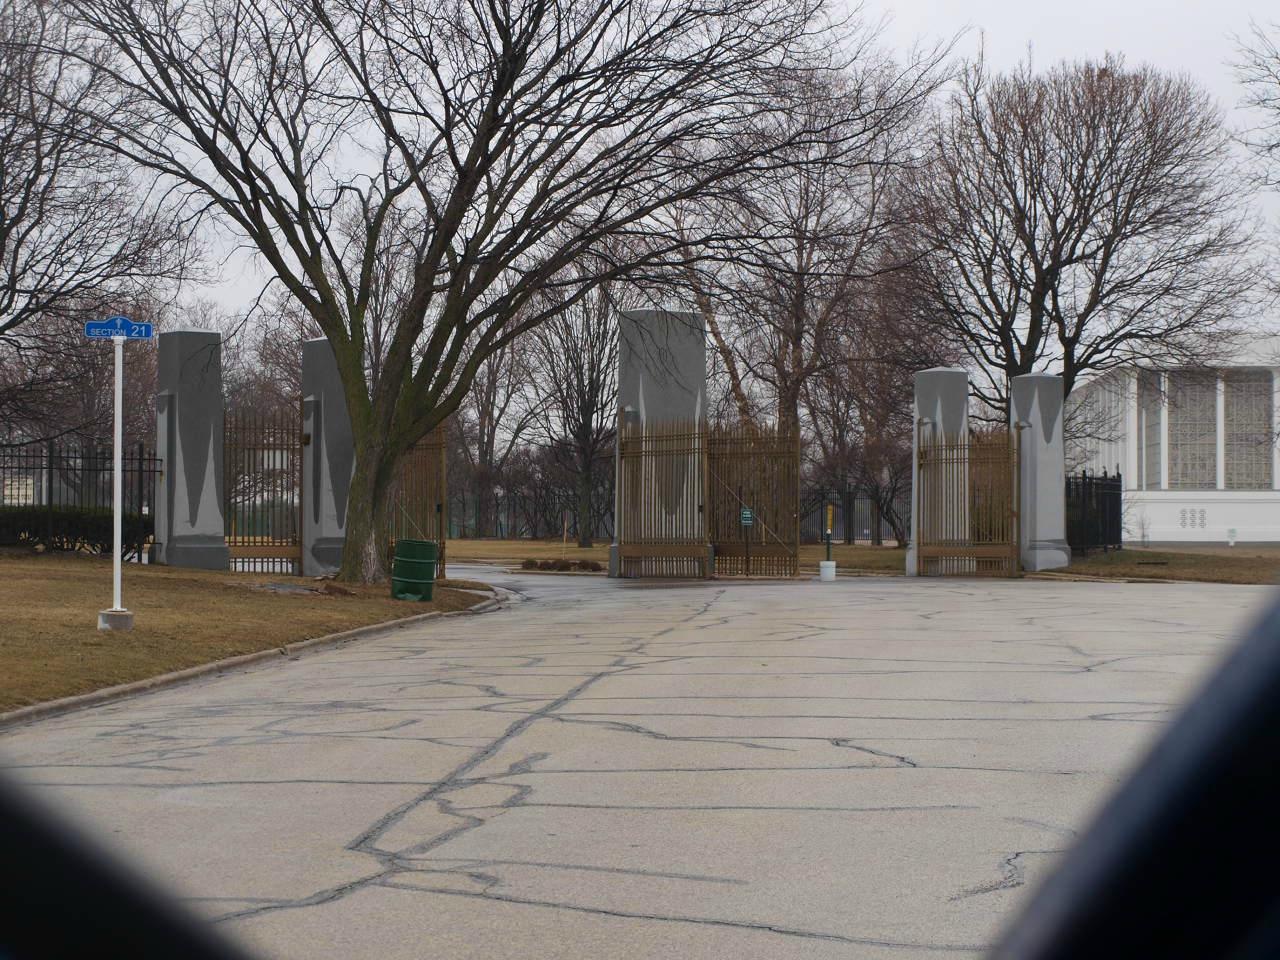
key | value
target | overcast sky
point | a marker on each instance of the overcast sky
(1197, 38)
(1191, 36)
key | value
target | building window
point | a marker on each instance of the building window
(1148, 430)
(1248, 438)
(1193, 430)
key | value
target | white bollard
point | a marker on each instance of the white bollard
(827, 571)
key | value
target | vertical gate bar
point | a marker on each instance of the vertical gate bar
(48, 494)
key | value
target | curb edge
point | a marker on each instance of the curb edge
(290, 651)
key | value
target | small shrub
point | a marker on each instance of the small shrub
(546, 564)
(592, 566)
(72, 528)
(562, 565)
(529, 565)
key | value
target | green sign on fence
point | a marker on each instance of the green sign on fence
(747, 517)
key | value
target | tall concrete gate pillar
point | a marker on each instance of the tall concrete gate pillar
(941, 409)
(1036, 412)
(189, 525)
(328, 460)
(662, 377)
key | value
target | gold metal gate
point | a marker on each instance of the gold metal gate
(967, 522)
(419, 500)
(662, 471)
(262, 490)
(757, 470)
(682, 490)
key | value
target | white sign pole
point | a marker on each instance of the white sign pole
(117, 482)
(117, 618)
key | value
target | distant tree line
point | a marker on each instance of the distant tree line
(461, 198)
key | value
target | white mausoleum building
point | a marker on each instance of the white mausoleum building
(1196, 447)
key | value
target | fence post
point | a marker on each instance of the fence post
(1091, 491)
(848, 532)
(140, 527)
(48, 494)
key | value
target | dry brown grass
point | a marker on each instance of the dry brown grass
(517, 551)
(1210, 563)
(1240, 564)
(854, 558)
(452, 583)
(50, 645)
(849, 559)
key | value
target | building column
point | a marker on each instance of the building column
(1275, 423)
(189, 524)
(1036, 407)
(1164, 431)
(1221, 426)
(328, 460)
(941, 406)
(1134, 448)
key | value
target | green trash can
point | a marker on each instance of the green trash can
(413, 570)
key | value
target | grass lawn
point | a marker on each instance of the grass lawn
(1212, 564)
(50, 645)
(514, 551)
(861, 559)
(854, 558)
(1240, 564)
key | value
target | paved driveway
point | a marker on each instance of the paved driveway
(870, 769)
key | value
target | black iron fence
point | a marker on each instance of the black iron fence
(59, 496)
(856, 517)
(1094, 512)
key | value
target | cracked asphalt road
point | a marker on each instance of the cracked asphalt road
(876, 768)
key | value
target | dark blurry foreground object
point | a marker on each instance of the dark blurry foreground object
(1182, 862)
(61, 898)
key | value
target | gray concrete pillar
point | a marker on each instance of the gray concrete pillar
(1036, 406)
(662, 364)
(941, 407)
(189, 506)
(662, 376)
(328, 460)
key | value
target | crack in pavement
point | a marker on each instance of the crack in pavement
(700, 921)
(486, 766)
(1012, 875)
(367, 841)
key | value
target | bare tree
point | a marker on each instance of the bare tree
(1258, 70)
(576, 357)
(505, 140)
(1082, 218)
(799, 245)
(495, 417)
(77, 223)
(859, 409)
(55, 384)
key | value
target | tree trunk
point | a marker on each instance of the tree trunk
(364, 558)
(486, 503)
(789, 410)
(584, 507)
(897, 524)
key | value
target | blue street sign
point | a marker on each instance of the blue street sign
(118, 327)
